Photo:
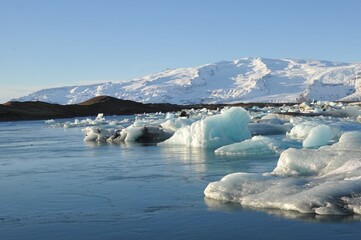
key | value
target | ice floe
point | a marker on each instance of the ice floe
(323, 181)
(320, 136)
(256, 146)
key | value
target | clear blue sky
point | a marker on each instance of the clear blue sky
(47, 43)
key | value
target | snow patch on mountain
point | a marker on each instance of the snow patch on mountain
(246, 79)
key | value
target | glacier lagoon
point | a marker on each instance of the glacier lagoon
(55, 185)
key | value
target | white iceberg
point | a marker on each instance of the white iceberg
(320, 136)
(214, 131)
(301, 130)
(315, 133)
(325, 181)
(306, 162)
(173, 124)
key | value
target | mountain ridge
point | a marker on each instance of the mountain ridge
(241, 80)
(37, 110)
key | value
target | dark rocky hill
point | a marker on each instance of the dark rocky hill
(29, 110)
(12, 111)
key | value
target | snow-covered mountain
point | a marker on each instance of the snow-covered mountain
(246, 79)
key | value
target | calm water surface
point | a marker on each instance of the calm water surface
(55, 186)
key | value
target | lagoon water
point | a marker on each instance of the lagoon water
(53, 185)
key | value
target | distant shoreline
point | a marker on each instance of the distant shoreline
(17, 111)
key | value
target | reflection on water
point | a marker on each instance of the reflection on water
(193, 157)
(214, 205)
(115, 144)
(206, 161)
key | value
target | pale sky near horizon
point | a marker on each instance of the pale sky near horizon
(46, 43)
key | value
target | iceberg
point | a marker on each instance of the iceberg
(230, 126)
(315, 134)
(173, 124)
(301, 130)
(305, 162)
(257, 146)
(97, 134)
(324, 181)
(144, 134)
(320, 136)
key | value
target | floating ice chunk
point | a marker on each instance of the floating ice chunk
(353, 139)
(320, 136)
(174, 124)
(353, 203)
(87, 122)
(170, 115)
(131, 133)
(50, 121)
(324, 160)
(149, 119)
(302, 162)
(323, 181)
(98, 134)
(214, 131)
(257, 146)
(140, 134)
(100, 117)
(314, 133)
(301, 130)
(273, 118)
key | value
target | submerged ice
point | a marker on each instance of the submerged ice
(321, 181)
